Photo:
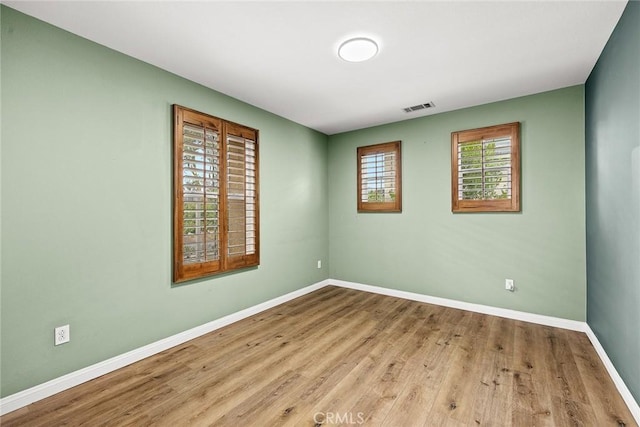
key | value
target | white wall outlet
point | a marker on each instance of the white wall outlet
(319, 264)
(508, 285)
(61, 335)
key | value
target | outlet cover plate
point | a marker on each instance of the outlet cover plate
(61, 335)
(508, 285)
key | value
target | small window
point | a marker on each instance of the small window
(215, 195)
(379, 176)
(485, 169)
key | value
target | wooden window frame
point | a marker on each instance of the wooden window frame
(512, 204)
(396, 204)
(244, 144)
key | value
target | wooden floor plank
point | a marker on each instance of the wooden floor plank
(597, 382)
(342, 357)
(402, 357)
(531, 404)
(414, 398)
(498, 373)
(455, 400)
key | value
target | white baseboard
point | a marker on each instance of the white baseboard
(540, 319)
(613, 373)
(41, 391)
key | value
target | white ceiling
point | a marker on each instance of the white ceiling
(281, 56)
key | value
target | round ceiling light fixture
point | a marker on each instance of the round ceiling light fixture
(358, 49)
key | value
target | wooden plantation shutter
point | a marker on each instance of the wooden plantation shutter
(379, 178)
(196, 205)
(241, 196)
(485, 166)
(216, 222)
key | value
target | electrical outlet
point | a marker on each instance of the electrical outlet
(319, 264)
(61, 335)
(508, 285)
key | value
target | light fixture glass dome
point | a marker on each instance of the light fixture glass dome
(358, 49)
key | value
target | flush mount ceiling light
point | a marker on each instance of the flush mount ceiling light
(358, 49)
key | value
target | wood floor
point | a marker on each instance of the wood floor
(344, 357)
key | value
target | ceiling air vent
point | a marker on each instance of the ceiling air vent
(419, 107)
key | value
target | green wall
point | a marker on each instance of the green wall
(86, 204)
(428, 250)
(613, 198)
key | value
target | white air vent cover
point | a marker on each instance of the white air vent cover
(418, 107)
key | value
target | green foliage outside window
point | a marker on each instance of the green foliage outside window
(379, 195)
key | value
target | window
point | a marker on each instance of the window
(379, 176)
(485, 169)
(216, 227)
